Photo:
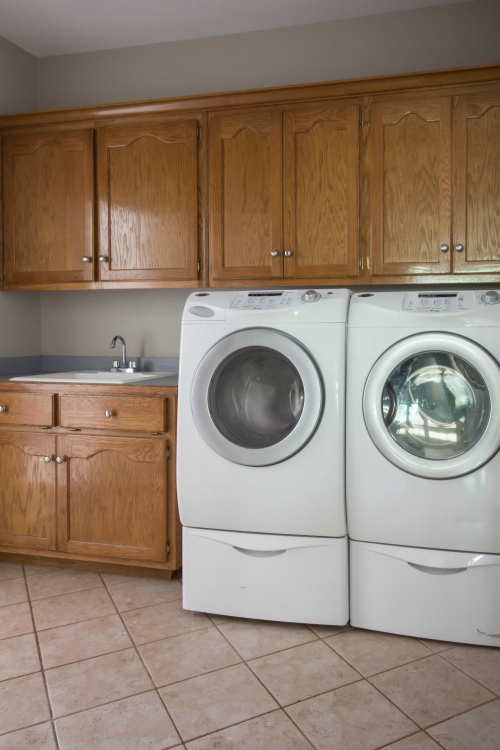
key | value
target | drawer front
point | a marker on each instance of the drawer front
(27, 409)
(114, 413)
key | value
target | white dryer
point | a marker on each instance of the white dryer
(260, 458)
(422, 463)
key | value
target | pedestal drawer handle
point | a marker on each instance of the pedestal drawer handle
(108, 413)
(431, 570)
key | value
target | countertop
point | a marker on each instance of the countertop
(172, 381)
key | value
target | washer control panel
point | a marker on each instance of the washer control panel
(264, 300)
(438, 302)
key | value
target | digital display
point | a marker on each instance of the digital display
(265, 294)
(438, 294)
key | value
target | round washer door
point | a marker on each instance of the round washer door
(257, 397)
(431, 405)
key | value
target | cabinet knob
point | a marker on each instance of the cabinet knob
(444, 248)
(47, 459)
(108, 413)
(103, 258)
(274, 253)
(3, 408)
(87, 259)
(459, 248)
(288, 253)
(59, 459)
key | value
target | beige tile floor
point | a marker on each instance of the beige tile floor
(103, 662)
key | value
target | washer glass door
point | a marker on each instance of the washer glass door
(431, 403)
(257, 397)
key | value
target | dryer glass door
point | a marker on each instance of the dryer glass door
(431, 405)
(257, 397)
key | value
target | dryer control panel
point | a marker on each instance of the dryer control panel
(436, 302)
(264, 300)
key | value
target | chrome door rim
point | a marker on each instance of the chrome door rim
(313, 396)
(479, 453)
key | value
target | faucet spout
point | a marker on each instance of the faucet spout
(124, 349)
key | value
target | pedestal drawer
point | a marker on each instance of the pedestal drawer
(27, 409)
(113, 413)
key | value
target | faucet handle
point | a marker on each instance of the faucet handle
(132, 364)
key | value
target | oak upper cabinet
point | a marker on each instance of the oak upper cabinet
(245, 195)
(27, 490)
(476, 182)
(112, 497)
(320, 191)
(48, 194)
(410, 185)
(148, 202)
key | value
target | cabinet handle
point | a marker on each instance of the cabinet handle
(3, 408)
(108, 413)
(87, 259)
(444, 248)
(59, 459)
(103, 258)
(459, 248)
(274, 253)
(47, 459)
(288, 253)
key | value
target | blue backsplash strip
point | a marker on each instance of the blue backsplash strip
(28, 365)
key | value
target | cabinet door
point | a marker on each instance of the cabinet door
(410, 186)
(48, 188)
(27, 491)
(245, 195)
(112, 497)
(476, 183)
(148, 203)
(320, 186)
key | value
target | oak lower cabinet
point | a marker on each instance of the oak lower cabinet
(284, 193)
(90, 492)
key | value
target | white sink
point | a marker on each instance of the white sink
(104, 377)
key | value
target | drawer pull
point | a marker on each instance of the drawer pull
(3, 408)
(47, 459)
(260, 553)
(60, 460)
(431, 570)
(108, 413)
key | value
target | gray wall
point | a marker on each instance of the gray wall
(19, 311)
(443, 36)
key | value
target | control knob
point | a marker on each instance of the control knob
(491, 298)
(310, 296)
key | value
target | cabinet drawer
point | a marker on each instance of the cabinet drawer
(27, 409)
(123, 413)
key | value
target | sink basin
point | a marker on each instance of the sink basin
(103, 377)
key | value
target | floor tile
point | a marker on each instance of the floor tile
(82, 640)
(112, 578)
(437, 646)
(15, 620)
(253, 638)
(323, 631)
(59, 582)
(303, 671)
(188, 655)
(137, 723)
(273, 731)
(216, 700)
(431, 690)
(94, 682)
(371, 652)
(12, 591)
(18, 656)
(34, 570)
(163, 621)
(482, 663)
(23, 701)
(40, 737)
(144, 592)
(476, 730)
(355, 717)
(10, 570)
(420, 741)
(68, 608)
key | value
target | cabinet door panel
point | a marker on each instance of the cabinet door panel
(410, 186)
(245, 195)
(148, 202)
(476, 150)
(48, 207)
(320, 168)
(112, 497)
(27, 491)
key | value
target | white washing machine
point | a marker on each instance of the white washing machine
(260, 458)
(422, 463)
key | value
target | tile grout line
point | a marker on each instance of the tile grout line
(49, 703)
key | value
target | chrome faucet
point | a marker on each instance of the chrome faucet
(116, 364)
